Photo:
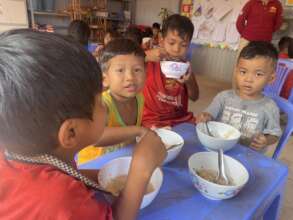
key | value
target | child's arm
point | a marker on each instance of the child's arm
(191, 84)
(261, 141)
(204, 117)
(148, 154)
(213, 110)
(155, 55)
(122, 134)
(272, 128)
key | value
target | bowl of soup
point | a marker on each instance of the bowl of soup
(113, 176)
(223, 136)
(174, 69)
(203, 169)
(172, 141)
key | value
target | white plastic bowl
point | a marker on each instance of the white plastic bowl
(119, 167)
(172, 69)
(209, 160)
(170, 138)
(226, 135)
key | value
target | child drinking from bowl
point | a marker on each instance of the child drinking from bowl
(52, 97)
(122, 64)
(166, 99)
(246, 108)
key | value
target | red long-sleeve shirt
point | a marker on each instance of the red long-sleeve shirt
(258, 22)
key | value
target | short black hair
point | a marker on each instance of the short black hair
(120, 46)
(156, 25)
(179, 23)
(259, 49)
(79, 31)
(135, 34)
(284, 43)
(113, 33)
(45, 79)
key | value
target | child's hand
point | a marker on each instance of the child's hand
(203, 117)
(156, 54)
(186, 76)
(149, 153)
(259, 142)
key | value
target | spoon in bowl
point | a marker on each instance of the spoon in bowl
(221, 178)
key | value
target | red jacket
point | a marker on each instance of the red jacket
(258, 22)
(165, 100)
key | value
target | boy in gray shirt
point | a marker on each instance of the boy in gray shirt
(245, 108)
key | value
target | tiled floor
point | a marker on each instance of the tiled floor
(208, 89)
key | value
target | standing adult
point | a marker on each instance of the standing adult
(258, 20)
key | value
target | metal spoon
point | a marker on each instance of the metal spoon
(221, 178)
(208, 130)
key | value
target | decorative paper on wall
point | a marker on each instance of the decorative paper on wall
(215, 22)
(289, 2)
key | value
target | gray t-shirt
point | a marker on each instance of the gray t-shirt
(250, 117)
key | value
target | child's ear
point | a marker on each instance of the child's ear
(272, 78)
(67, 135)
(105, 80)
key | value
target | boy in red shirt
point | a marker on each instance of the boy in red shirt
(50, 108)
(166, 99)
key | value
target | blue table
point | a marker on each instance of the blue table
(179, 200)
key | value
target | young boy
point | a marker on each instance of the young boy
(166, 100)
(256, 116)
(79, 31)
(283, 47)
(50, 108)
(123, 69)
(156, 33)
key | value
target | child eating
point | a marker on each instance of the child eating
(50, 108)
(245, 108)
(166, 99)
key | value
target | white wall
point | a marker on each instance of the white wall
(147, 11)
(13, 14)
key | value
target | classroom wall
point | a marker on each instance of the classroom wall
(146, 12)
(13, 14)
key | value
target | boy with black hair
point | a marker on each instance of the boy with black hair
(79, 31)
(166, 99)
(246, 108)
(283, 47)
(50, 108)
(156, 28)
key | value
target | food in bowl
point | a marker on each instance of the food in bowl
(116, 185)
(211, 176)
(236, 172)
(224, 136)
(174, 69)
(119, 167)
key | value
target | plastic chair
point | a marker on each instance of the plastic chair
(282, 71)
(286, 107)
(290, 98)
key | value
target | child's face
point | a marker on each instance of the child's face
(125, 76)
(175, 46)
(155, 31)
(107, 39)
(252, 75)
